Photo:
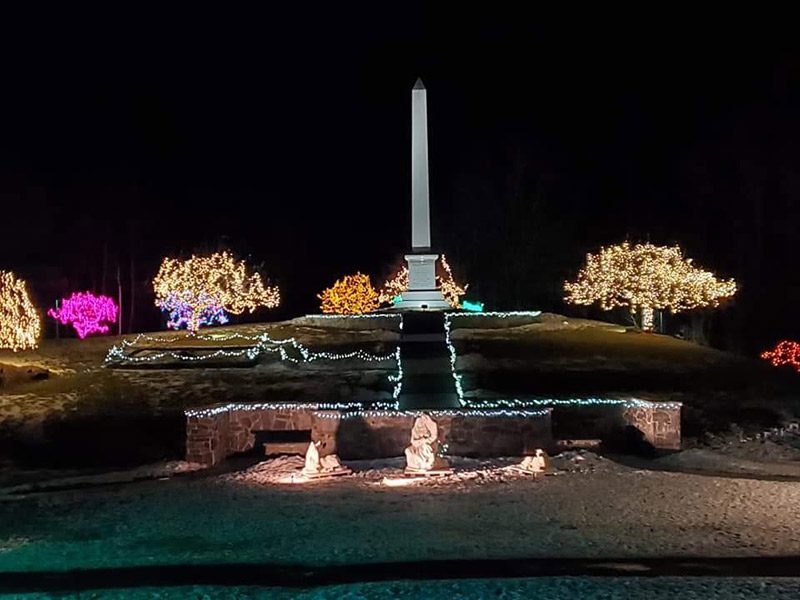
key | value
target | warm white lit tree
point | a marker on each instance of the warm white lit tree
(205, 284)
(20, 325)
(643, 278)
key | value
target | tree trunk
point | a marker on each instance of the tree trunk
(119, 300)
(132, 296)
(647, 319)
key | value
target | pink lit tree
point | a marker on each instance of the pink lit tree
(86, 312)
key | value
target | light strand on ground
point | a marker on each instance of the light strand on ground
(263, 344)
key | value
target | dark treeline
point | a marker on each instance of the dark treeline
(547, 140)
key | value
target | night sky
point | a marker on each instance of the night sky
(285, 136)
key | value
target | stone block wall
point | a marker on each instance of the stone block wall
(660, 424)
(387, 436)
(214, 433)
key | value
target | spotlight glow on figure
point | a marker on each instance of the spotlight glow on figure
(351, 295)
(786, 352)
(198, 290)
(645, 277)
(20, 325)
(86, 312)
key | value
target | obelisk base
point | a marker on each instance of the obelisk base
(422, 293)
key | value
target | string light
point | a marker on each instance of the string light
(451, 349)
(86, 313)
(451, 290)
(200, 286)
(352, 410)
(19, 322)
(394, 287)
(435, 413)
(578, 402)
(262, 344)
(643, 278)
(353, 294)
(212, 411)
(786, 352)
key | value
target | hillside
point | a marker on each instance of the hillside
(86, 414)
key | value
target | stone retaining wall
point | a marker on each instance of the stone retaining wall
(216, 432)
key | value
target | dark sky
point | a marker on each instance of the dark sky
(284, 135)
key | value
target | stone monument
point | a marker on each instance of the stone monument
(422, 293)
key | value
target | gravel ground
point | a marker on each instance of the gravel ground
(552, 588)
(597, 508)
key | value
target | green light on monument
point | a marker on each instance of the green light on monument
(472, 306)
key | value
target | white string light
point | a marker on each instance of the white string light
(451, 348)
(263, 344)
(552, 402)
(498, 413)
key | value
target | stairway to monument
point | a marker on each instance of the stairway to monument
(427, 379)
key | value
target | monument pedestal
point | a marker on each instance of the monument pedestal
(422, 293)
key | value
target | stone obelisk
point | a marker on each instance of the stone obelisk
(422, 293)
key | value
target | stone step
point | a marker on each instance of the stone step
(428, 401)
(428, 382)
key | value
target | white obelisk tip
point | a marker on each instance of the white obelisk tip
(419, 85)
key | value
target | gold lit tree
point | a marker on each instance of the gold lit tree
(19, 322)
(398, 284)
(645, 278)
(351, 295)
(204, 284)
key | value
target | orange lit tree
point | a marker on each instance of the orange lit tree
(203, 285)
(351, 295)
(643, 278)
(20, 325)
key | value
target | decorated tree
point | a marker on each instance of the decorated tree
(351, 295)
(398, 284)
(644, 278)
(201, 289)
(786, 352)
(19, 322)
(86, 312)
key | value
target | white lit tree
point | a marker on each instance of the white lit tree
(645, 278)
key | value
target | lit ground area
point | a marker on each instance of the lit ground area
(634, 521)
